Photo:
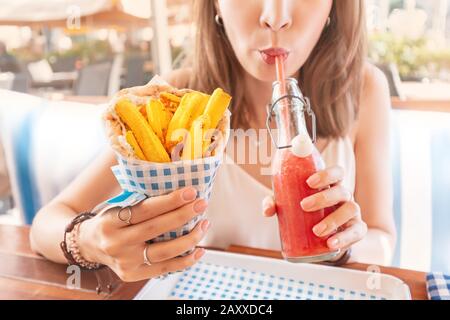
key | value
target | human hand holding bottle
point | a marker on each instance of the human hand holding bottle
(346, 218)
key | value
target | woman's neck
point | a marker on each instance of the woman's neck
(259, 96)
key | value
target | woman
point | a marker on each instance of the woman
(324, 44)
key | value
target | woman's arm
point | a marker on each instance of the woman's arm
(107, 240)
(94, 185)
(373, 191)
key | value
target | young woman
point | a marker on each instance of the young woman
(324, 42)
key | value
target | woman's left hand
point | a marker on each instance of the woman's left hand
(347, 217)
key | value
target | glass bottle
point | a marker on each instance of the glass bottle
(295, 160)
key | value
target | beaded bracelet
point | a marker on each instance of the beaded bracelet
(69, 245)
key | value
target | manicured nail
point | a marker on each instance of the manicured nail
(205, 225)
(189, 194)
(334, 243)
(308, 202)
(313, 180)
(318, 229)
(200, 206)
(200, 252)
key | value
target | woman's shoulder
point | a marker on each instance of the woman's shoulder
(178, 78)
(375, 86)
(374, 103)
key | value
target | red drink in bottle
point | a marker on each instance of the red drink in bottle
(295, 160)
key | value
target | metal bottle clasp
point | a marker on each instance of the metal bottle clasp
(309, 112)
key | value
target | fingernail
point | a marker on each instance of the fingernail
(313, 180)
(308, 202)
(205, 225)
(200, 206)
(200, 252)
(189, 194)
(319, 229)
(334, 243)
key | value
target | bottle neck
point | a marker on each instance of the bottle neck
(288, 111)
(291, 125)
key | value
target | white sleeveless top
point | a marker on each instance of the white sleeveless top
(235, 206)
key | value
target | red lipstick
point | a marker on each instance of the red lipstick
(269, 55)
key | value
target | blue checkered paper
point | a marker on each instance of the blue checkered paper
(140, 180)
(206, 281)
(438, 286)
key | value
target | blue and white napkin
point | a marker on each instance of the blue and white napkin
(438, 286)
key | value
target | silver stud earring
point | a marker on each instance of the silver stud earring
(219, 20)
(328, 22)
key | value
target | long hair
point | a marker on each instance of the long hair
(331, 77)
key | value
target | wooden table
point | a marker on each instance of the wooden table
(20, 270)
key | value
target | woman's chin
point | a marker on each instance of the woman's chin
(264, 73)
(267, 72)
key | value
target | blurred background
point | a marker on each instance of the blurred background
(69, 56)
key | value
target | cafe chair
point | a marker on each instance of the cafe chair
(46, 143)
(421, 173)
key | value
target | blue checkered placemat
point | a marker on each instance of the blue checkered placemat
(438, 286)
(209, 281)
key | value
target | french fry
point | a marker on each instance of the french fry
(170, 101)
(193, 149)
(131, 139)
(182, 117)
(199, 109)
(169, 116)
(147, 140)
(216, 106)
(143, 111)
(158, 118)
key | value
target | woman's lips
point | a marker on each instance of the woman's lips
(269, 55)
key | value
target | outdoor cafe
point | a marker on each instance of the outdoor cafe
(183, 149)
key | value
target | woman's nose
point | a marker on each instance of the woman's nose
(276, 15)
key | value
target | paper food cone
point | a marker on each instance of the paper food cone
(140, 180)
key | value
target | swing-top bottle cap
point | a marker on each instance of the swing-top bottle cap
(302, 146)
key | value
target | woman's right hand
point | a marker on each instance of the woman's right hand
(108, 240)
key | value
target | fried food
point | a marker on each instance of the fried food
(146, 138)
(159, 123)
(194, 146)
(183, 116)
(131, 139)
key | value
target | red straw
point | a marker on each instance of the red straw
(281, 77)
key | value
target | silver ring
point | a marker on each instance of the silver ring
(128, 219)
(146, 261)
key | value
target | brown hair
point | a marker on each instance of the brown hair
(331, 77)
